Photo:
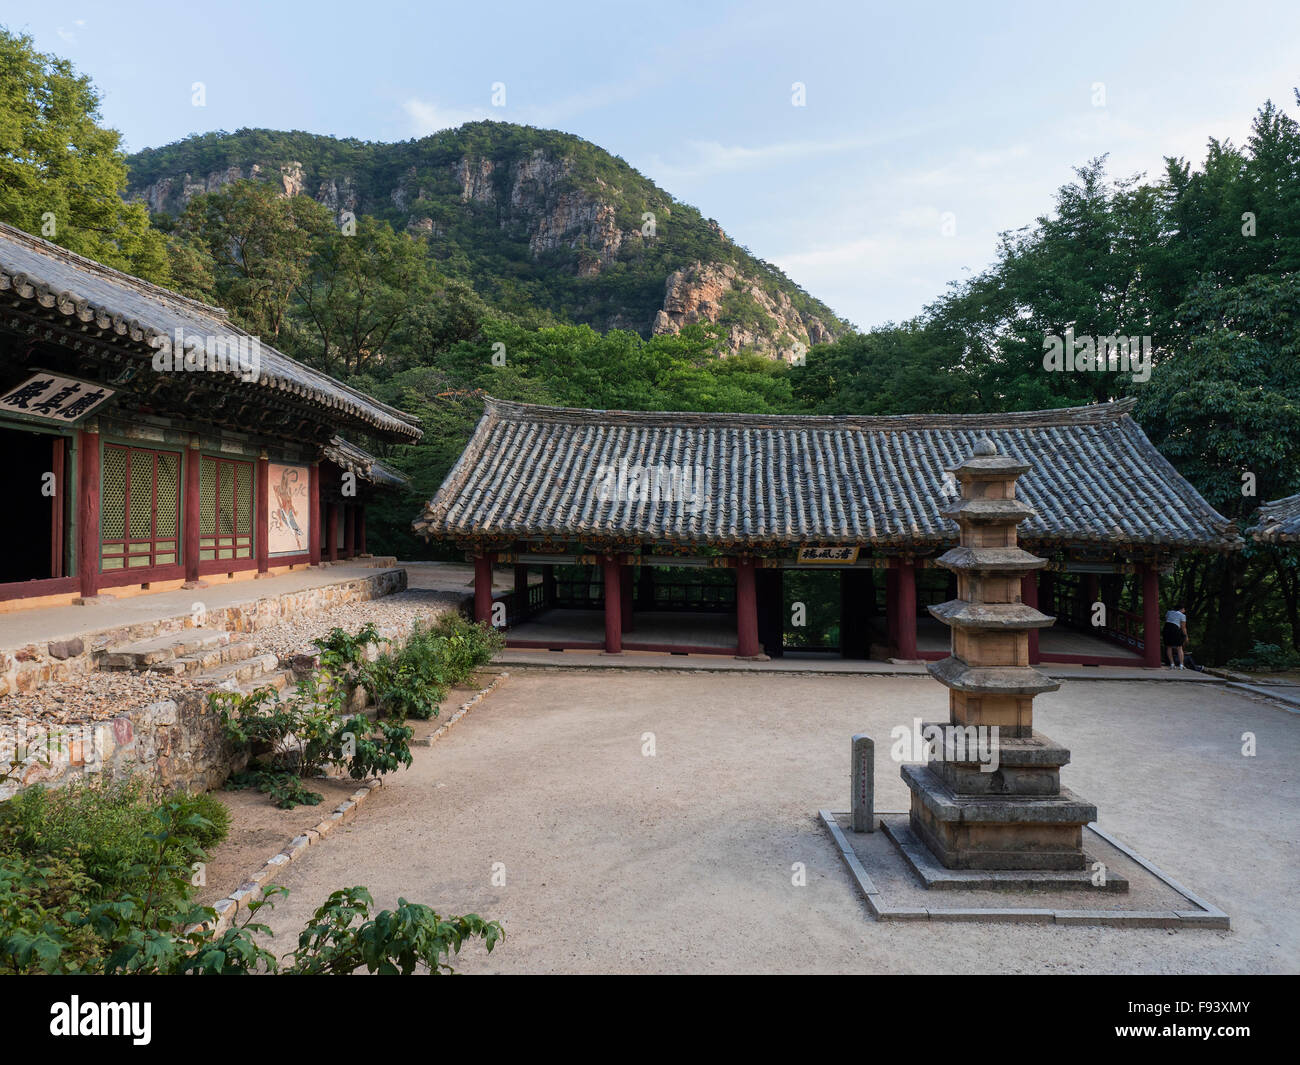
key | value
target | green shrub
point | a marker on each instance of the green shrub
(1267, 658)
(412, 680)
(103, 829)
(147, 928)
(297, 738)
(213, 815)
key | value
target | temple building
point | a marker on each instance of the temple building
(150, 443)
(684, 532)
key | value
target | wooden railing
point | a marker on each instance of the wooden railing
(1122, 626)
(517, 611)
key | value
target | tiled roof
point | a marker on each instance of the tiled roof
(1279, 521)
(348, 456)
(533, 472)
(84, 291)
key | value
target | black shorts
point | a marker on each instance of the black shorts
(1174, 635)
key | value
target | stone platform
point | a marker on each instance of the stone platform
(894, 890)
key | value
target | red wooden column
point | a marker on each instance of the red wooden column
(891, 607)
(613, 606)
(747, 645)
(1029, 596)
(1150, 615)
(907, 609)
(349, 530)
(625, 595)
(483, 588)
(262, 508)
(88, 480)
(332, 530)
(361, 530)
(190, 519)
(313, 513)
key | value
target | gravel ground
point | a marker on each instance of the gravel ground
(393, 615)
(96, 697)
(682, 862)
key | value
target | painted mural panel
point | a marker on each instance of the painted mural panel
(289, 510)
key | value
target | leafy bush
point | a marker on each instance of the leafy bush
(412, 680)
(101, 830)
(1267, 658)
(212, 813)
(48, 925)
(299, 737)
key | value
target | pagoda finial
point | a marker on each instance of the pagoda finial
(985, 446)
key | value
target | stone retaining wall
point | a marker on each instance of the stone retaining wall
(176, 744)
(25, 668)
(173, 745)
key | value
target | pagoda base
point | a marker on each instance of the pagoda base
(1018, 832)
(938, 877)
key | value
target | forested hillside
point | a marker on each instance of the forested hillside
(536, 221)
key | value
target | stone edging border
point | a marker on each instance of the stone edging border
(251, 888)
(1207, 916)
(463, 709)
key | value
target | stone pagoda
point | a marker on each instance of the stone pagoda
(1017, 816)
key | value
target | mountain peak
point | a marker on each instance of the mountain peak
(532, 218)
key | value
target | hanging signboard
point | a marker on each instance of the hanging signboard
(51, 397)
(843, 556)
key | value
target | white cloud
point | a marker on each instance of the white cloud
(425, 116)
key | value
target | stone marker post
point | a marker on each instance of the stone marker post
(863, 786)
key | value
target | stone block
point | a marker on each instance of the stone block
(63, 649)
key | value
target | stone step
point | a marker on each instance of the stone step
(208, 659)
(156, 651)
(238, 672)
(280, 679)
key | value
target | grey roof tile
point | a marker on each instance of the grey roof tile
(85, 291)
(534, 472)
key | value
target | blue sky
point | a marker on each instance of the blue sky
(916, 115)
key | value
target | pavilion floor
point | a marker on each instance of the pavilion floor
(707, 633)
(933, 635)
(562, 626)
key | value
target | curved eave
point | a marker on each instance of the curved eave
(308, 387)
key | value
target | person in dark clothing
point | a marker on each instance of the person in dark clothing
(1175, 636)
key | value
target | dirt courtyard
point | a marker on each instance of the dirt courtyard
(618, 860)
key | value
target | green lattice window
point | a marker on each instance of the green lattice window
(140, 508)
(225, 509)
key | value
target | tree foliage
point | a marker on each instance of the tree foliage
(62, 174)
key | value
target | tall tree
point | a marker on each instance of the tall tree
(260, 245)
(62, 174)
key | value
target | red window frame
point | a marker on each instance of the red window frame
(153, 545)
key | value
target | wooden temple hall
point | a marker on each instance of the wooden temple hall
(149, 443)
(753, 535)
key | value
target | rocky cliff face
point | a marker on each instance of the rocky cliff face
(540, 194)
(755, 318)
(170, 195)
(562, 210)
